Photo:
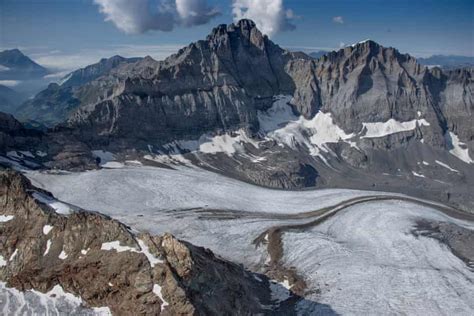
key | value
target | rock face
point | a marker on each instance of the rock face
(103, 263)
(207, 86)
(369, 83)
(212, 86)
(54, 104)
(14, 135)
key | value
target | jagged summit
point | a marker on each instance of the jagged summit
(244, 27)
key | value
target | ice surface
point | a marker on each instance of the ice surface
(392, 126)
(365, 261)
(150, 189)
(161, 200)
(365, 254)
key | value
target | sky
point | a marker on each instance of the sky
(67, 34)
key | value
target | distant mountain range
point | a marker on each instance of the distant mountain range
(54, 104)
(318, 54)
(14, 65)
(447, 61)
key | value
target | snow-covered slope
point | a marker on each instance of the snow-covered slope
(149, 189)
(56, 302)
(366, 261)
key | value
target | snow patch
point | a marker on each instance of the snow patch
(2, 261)
(361, 42)
(59, 207)
(48, 246)
(157, 291)
(281, 124)
(458, 148)
(442, 164)
(392, 126)
(6, 218)
(13, 255)
(62, 255)
(47, 229)
(115, 245)
(225, 143)
(417, 174)
(146, 251)
(85, 251)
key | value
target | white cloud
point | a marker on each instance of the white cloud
(140, 16)
(338, 19)
(269, 15)
(195, 12)
(9, 83)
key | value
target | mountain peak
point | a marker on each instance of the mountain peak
(245, 28)
(20, 66)
(13, 51)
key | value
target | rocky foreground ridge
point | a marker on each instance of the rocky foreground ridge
(106, 264)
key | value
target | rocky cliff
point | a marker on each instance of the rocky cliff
(54, 104)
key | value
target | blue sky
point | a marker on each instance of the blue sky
(69, 33)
